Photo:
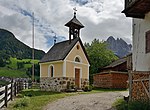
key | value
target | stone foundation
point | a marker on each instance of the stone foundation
(140, 86)
(59, 84)
(84, 82)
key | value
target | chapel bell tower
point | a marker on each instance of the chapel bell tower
(74, 27)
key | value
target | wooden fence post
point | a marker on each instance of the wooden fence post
(11, 90)
(18, 87)
(6, 95)
(21, 85)
(15, 88)
(26, 86)
(11, 93)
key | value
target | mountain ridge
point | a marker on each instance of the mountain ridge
(13, 47)
(119, 46)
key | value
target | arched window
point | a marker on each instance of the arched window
(52, 71)
(77, 59)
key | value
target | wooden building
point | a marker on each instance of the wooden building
(114, 75)
(139, 77)
(66, 63)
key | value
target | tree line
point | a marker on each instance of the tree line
(99, 56)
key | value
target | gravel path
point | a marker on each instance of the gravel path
(97, 101)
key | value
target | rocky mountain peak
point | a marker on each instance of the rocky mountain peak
(119, 46)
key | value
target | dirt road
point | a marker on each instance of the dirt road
(97, 101)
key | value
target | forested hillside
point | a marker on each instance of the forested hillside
(10, 46)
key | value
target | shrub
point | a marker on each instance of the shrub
(72, 86)
(24, 102)
(68, 85)
(139, 105)
(20, 96)
(90, 87)
(120, 104)
(87, 88)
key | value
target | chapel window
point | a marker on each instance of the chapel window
(52, 71)
(77, 59)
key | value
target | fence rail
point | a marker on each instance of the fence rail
(8, 92)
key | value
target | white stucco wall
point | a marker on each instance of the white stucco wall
(141, 59)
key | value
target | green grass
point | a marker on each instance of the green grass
(12, 73)
(11, 69)
(37, 99)
(95, 90)
(120, 104)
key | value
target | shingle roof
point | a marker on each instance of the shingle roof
(60, 50)
(74, 20)
(117, 62)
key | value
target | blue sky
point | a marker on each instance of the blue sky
(101, 18)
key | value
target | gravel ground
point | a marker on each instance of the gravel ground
(97, 101)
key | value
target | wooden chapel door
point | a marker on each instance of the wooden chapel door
(77, 77)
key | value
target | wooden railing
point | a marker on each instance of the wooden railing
(8, 92)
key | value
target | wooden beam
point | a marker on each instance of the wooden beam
(140, 80)
(145, 90)
(149, 84)
(130, 85)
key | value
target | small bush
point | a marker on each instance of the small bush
(29, 95)
(87, 88)
(68, 85)
(24, 102)
(20, 96)
(90, 87)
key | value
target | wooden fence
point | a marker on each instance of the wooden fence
(8, 92)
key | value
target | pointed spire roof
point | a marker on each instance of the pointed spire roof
(74, 21)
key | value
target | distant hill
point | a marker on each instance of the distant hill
(119, 46)
(11, 46)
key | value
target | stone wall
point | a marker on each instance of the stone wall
(59, 84)
(138, 91)
(111, 79)
(84, 82)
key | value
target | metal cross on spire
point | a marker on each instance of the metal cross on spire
(75, 11)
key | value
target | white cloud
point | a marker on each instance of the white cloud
(102, 18)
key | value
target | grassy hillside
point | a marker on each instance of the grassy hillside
(12, 70)
(12, 73)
